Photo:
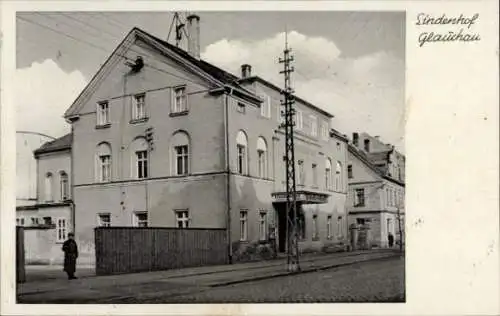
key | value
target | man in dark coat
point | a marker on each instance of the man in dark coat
(70, 254)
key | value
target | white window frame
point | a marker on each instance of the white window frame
(262, 225)
(64, 183)
(265, 106)
(142, 164)
(262, 163)
(301, 171)
(139, 108)
(181, 153)
(338, 176)
(242, 159)
(339, 227)
(243, 225)
(103, 223)
(104, 168)
(138, 222)
(350, 173)
(182, 218)
(324, 131)
(357, 200)
(314, 125)
(49, 184)
(328, 174)
(280, 118)
(179, 99)
(103, 114)
(298, 119)
(314, 230)
(61, 229)
(314, 168)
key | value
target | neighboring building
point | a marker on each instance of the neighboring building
(173, 141)
(48, 221)
(376, 187)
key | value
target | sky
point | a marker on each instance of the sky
(351, 64)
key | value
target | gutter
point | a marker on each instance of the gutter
(72, 178)
(228, 171)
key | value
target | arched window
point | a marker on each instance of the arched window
(64, 183)
(241, 146)
(140, 159)
(338, 177)
(48, 187)
(103, 162)
(262, 157)
(328, 174)
(180, 153)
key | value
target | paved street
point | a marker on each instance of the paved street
(340, 277)
(377, 281)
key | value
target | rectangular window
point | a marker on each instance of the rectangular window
(64, 187)
(280, 116)
(262, 226)
(105, 168)
(328, 178)
(359, 197)
(102, 113)
(315, 174)
(21, 221)
(241, 107)
(139, 107)
(47, 220)
(61, 229)
(141, 219)
(34, 221)
(182, 155)
(179, 104)
(340, 233)
(265, 106)
(104, 220)
(329, 226)
(243, 225)
(349, 171)
(315, 227)
(302, 174)
(298, 119)
(242, 166)
(182, 218)
(367, 145)
(314, 126)
(261, 156)
(142, 164)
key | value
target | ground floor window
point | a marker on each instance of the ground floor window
(61, 229)
(182, 218)
(243, 225)
(262, 225)
(20, 221)
(315, 234)
(340, 228)
(104, 220)
(141, 219)
(329, 226)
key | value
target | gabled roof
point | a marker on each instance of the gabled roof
(59, 144)
(217, 77)
(274, 87)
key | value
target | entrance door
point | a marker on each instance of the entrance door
(281, 227)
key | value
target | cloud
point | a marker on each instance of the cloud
(43, 92)
(364, 94)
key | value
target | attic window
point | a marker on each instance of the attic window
(241, 107)
(367, 145)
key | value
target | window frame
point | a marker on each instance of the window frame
(182, 218)
(48, 187)
(243, 225)
(61, 230)
(314, 125)
(138, 221)
(302, 174)
(314, 225)
(263, 226)
(64, 186)
(350, 174)
(357, 201)
(181, 157)
(179, 108)
(142, 164)
(329, 230)
(299, 123)
(265, 107)
(137, 114)
(103, 117)
(100, 221)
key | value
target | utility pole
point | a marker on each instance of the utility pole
(399, 224)
(291, 205)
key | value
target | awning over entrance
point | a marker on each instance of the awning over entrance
(305, 197)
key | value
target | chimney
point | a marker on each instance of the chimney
(193, 30)
(246, 71)
(355, 139)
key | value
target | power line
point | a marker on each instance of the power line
(106, 50)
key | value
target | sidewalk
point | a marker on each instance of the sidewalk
(107, 289)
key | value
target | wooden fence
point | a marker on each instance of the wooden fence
(139, 249)
(20, 269)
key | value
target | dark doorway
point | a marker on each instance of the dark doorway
(281, 209)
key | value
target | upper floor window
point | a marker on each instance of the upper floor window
(140, 158)
(262, 225)
(103, 113)
(182, 218)
(103, 162)
(298, 119)
(64, 186)
(262, 157)
(302, 174)
(179, 102)
(139, 107)
(324, 131)
(314, 125)
(241, 146)
(367, 145)
(181, 159)
(241, 107)
(328, 174)
(349, 172)
(315, 174)
(265, 107)
(359, 197)
(104, 220)
(48, 187)
(338, 176)
(280, 117)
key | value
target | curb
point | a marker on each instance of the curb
(309, 270)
